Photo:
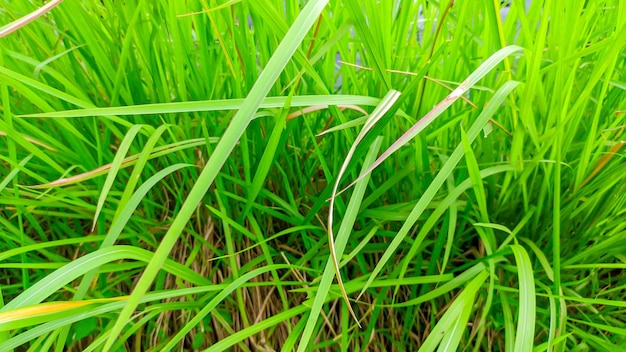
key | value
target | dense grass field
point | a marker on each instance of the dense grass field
(172, 175)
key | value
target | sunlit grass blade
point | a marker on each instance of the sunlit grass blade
(536, 199)
(223, 149)
(436, 184)
(486, 67)
(210, 105)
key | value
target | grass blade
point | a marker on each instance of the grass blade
(223, 149)
(436, 184)
(380, 110)
(331, 265)
(115, 167)
(210, 105)
(486, 67)
(527, 303)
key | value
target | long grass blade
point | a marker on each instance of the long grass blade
(380, 110)
(436, 184)
(223, 149)
(486, 67)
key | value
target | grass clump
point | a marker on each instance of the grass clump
(172, 176)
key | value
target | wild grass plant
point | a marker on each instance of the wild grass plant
(172, 175)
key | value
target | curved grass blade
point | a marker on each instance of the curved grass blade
(380, 110)
(436, 184)
(120, 222)
(342, 239)
(471, 80)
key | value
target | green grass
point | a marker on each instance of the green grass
(203, 175)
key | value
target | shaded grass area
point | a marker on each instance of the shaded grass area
(166, 169)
